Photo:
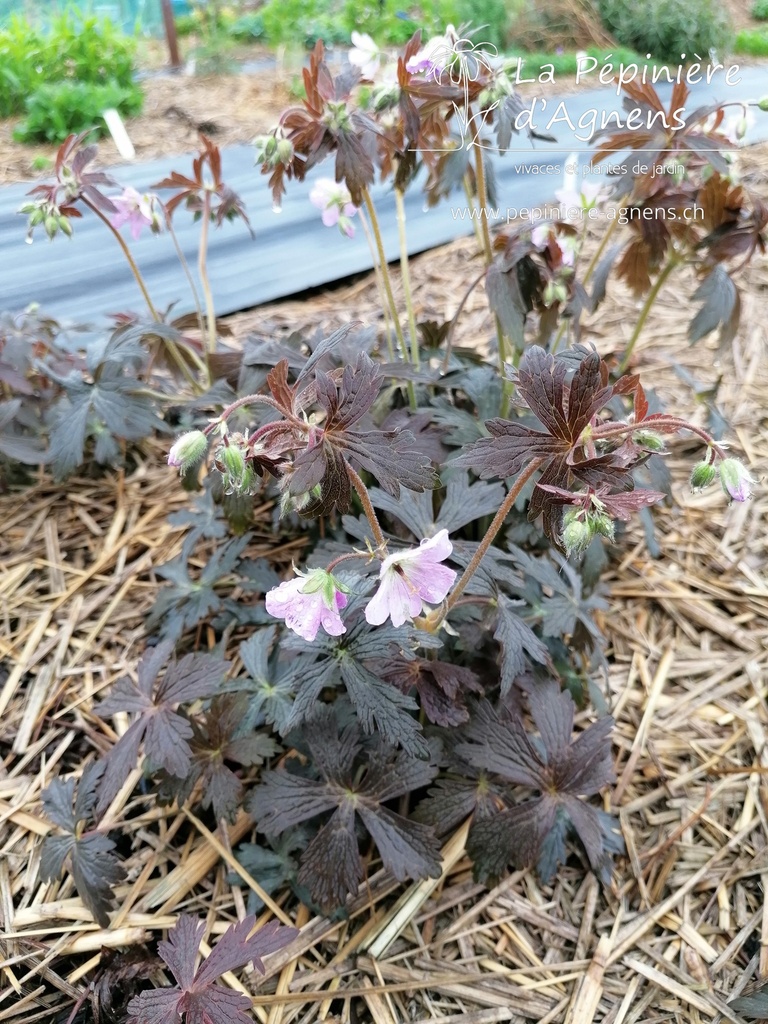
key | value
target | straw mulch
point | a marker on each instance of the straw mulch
(684, 925)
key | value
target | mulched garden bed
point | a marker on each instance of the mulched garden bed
(683, 926)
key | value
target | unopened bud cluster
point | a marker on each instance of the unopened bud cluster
(231, 460)
(273, 150)
(48, 216)
(581, 526)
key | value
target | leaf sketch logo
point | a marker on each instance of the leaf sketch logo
(457, 61)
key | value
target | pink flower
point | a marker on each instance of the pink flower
(365, 54)
(435, 56)
(540, 234)
(334, 200)
(309, 602)
(736, 479)
(136, 210)
(409, 578)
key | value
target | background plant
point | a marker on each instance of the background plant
(76, 60)
(58, 109)
(668, 28)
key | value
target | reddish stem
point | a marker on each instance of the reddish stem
(607, 430)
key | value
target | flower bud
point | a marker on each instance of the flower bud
(265, 146)
(65, 226)
(188, 450)
(741, 128)
(384, 97)
(702, 475)
(51, 226)
(298, 502)
(736, 479)
(763, 104)
(232, 460)
(577, 532)
(284, 151)
(601, 524)
(649, 439)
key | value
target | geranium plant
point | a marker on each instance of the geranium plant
(423, 662)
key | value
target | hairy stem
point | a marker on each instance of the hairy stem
(379, 284)
(256, 400)
(405, 274)
(202, 268)
(651, 297)
(455, 320)
(345, 558)
(466, 182)
(188, 274)
(127, 253)
(608, 430)
(587, 274)
(370, 511)
(388, 287)
(482, 200)
(371, 209)
(490, 534)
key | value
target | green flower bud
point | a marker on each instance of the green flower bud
(36, 217)
(702, 475)
(649, 439)
(65, 226)
(265, 146)
(284, 151)
(763, 104)
(601, 524)
(298, 502)
(577, 532)
(51, 226)
(233, 462)
(188, 450)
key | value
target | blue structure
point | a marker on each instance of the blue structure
(143, 17)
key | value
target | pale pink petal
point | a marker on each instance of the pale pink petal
(394, 599)
(436, 548)
(306, 616)
(331, 216)
(331, 622)
(279, 599)
(430, 580)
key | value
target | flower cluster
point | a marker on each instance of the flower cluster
(137, 211)
(336, 204)
(407, 581)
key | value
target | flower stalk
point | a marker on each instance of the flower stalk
(496, 523)
(370, 511)
(405, 275)
(202, 268)
(127, 253)
(651, 297)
